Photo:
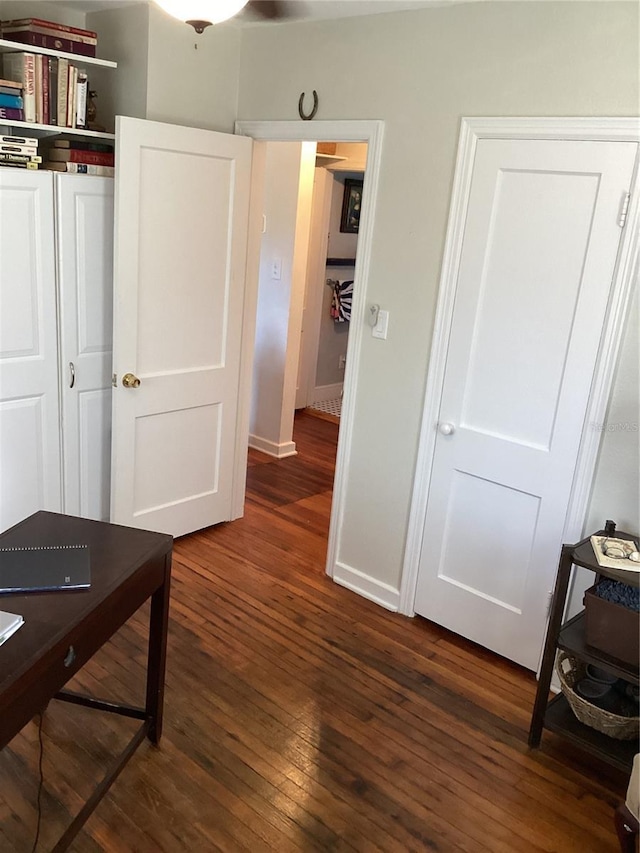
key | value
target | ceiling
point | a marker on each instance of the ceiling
(299, 10)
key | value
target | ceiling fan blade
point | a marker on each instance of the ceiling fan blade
(268, 10)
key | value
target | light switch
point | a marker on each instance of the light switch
(276, 269)
(381, 327)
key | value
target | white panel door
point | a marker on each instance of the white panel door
(182, 207)
(540, 243)
(85, 278)
(29, 412)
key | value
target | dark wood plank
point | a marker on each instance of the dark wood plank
(300, 717)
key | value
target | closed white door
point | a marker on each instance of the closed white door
(540, 242)
(29, 411)
(85, 279)
(182, 206)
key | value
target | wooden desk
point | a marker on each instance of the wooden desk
(62, 630)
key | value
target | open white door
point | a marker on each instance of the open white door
(181, 213)
(541, 237)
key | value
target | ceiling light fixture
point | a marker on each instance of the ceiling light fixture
(201, 13)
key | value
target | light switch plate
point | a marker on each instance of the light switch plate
(381, 327)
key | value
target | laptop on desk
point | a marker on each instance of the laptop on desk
(44, 568)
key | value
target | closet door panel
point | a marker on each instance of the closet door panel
(29, 410)
(85, 272)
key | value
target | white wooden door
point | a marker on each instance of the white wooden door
(29, 411)
(85, 280)
(540, 242)
(181, 212)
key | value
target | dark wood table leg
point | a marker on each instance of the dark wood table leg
(156, 661)
(549, 655)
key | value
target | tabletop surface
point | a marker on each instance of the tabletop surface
(116, 553)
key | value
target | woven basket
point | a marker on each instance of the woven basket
(570, 670)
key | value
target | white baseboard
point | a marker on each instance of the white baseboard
(280, 451)
(325, 392)
(366, 586)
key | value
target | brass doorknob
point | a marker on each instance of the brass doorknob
(130, 381)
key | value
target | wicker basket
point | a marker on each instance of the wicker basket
(570, 670)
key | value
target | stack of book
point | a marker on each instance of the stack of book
(79, 157)
(51, 35)
(11, 100)
(53, 91)
(20, 152)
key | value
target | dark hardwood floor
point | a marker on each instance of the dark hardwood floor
(302, 717)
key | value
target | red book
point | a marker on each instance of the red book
(50, 25)
(10, 114)
(73, 155)
(52, 43)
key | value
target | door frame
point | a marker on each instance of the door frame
(372, 133)
(471, 131)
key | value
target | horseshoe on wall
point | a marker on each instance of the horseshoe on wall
(313, 111)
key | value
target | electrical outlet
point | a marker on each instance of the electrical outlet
(341, 362)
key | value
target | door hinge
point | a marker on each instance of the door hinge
(114, 380)
(624, 210)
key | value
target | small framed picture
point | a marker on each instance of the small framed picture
(351, 204)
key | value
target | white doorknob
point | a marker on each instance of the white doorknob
(447, 429)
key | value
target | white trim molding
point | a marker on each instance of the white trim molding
(372, 133)
(471, 131)
(325, 392)
(366, 586)
(279, 451)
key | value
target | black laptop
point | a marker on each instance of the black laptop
(44, 568)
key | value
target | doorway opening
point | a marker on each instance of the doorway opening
(312, 202)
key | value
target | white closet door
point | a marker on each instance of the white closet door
(85, 274)
(29, 412)
(541, 238)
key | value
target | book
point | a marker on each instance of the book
(30, 150)
(9, 624)
(63, 90)
(39, 102)
(615, 553)
(71, 96)
(11, 101)
(45, 90)
(73, 155)
(7, 90)
(19, 158)
(81, 98)
(22, 68)
(28, 165)
(53, 42)
(10, 84)
(48, 567)
(9, 114)
(53, 90)
(16, 23)
(32, 142)
(81, 145)
(80, 168)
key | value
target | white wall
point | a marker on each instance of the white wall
(267, 429)
(420, 72)
(192, 79)
(334, 337)
(123, 36)
(166, 72)
(616, 489)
